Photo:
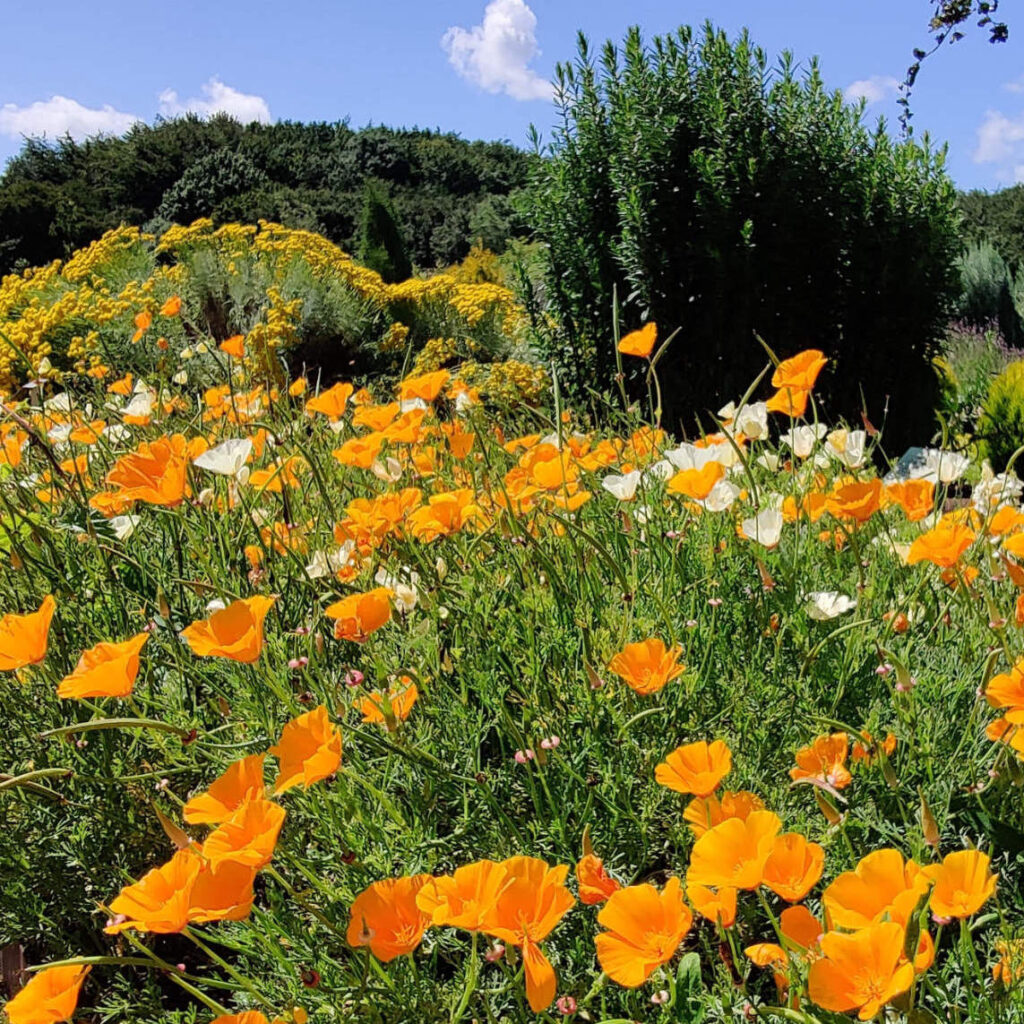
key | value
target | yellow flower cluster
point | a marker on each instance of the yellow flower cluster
(509, 382)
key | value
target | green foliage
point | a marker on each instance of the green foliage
(200, 191)
(720, 196)
(998, 218)
(988, 291)
(1001, 426)
(446, 192)
(381, 246)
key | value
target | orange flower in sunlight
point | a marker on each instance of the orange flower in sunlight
(392, 706)
(172, 307)
(332, 402)
(426, 387)
(298, 387)
(824, 761)
(50, 996)
(359, 615)
(159, 902)
(234, 632)
(856, 501)
(248, 837)
(695, 768)
(143, 321)
(376, 417)
(1006, 690)
(465, 899)
(222, 893)
(799, 371)
(122, 387)
(942, 545)
(385, 917)
(595, 884)
(718, 906)
(647, 666)
(644, 930)
(278, 475)
(444, 514)
(915, 497)
(242, 781)
(460, 441)
(23, 637)
(155, 473)
(882, 887)
(862, 971)
(528, 907)
(794, 867)
(309, 750)
(703, 813)
(234, 346)
(640, 343)
(106, 670)
(360, 452)
(696, 483)
(789, 401)
(868, 749)
(963, 883)
(733, 854)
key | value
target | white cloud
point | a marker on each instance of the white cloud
(873, 89)
(495, 54)
(1001, 142)
(1017, 85)
(59, 116)
(217, 98)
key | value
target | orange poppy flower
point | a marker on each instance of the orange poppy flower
(645, 928)
(881, 886)
(376, 417)
(234, 632)
(703, 813)
(248, 837)
(528, 907)
(915, 497)
(857, 501)
(595, 884)
(824, 761)
(385, 917)
(23, 638)
(222, 893)
(160, 901)
(465, 899)
(963, 883)
(298, 387)
(789, 401)
(444, 514)
(640, 343)
(695, 768)
(733, 854)
(696, 483)
(862, 971)
(460, 441)
(648, 665)
(407, 428)
(106, 670)
(155, 473)
(234, 346)
(143, 321)
(242, 781)
(332, 402)
(122, 386)
(50, 996)
(868, 749)
(1006, 690)
(309, 750)
(425, 387)
(799, 371)
(794, 867)
(360, 452)
(393, 706)
(172, 307)
(942, 545)
(718, 905)
(359, 615)
(278, 475)
(247, 1017)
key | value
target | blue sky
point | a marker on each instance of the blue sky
(472, 66)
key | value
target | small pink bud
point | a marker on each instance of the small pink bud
(180, 967)
(883, 670)
(520, 757)
(566, 1005)
(660, 998)
(496, 952)
(940, 920)
(714, 601)
(354, 678)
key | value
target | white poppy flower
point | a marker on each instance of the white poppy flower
(623, 487)
(770, 461)
(403, 590)
(389, 470)
(660, 470)
(940, 466)
(123, 526)
(765, 527)
(140, 404)
(59, 403)
(327, 563)
(408, 404)
(60, 433)
(181, 377)
(848, 446)
(752, 421)
(822, 605)
(722, 495)
(227, 458)
(802, 439)
(216, 605)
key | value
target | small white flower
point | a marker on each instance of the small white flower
(123, 526)
(181, 377)
(823, 605)
(765, 527)
(660, 470)
(752, 421)
(722, 495)
(408, 404)
(216, 605)
(770, 461)
(848, 446)
(226, 459)
(389, 470)
(403, 587)
(939, 466)
(802, 439)
(622, 487)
